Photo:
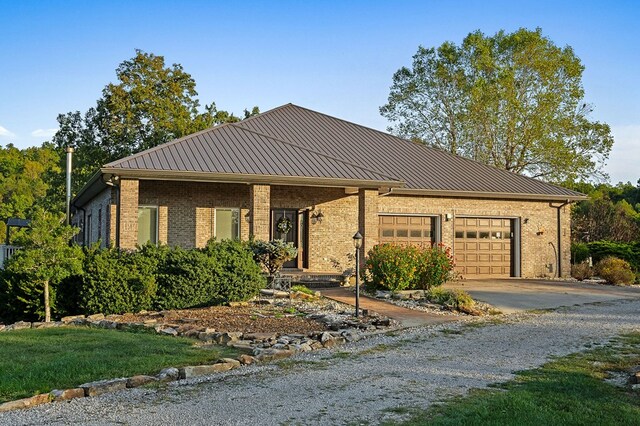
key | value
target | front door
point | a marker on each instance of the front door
(284, 226)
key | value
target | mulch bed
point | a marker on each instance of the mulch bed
(246, 319)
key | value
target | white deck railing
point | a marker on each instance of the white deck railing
(6, 252)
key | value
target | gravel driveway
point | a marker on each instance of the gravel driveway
(360, 382)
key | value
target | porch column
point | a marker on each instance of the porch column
(128, 213)
(368, 219)
(260, 204)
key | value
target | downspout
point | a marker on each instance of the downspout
(559, 255)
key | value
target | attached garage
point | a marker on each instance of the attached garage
(416, 230)
(486, 247)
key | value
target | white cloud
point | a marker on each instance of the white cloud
(43, 133)
(4, 133)
(623, 164)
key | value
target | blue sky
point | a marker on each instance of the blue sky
(337, 57)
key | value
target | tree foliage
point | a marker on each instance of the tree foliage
(150, 104)
(612, 213)
(514, 101)
(45, 259)
(24, 180)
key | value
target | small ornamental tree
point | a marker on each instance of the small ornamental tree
(46, 258)
(272, 255)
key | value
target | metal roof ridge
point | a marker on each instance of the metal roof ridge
(237, 125)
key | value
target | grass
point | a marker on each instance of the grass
(38, 360)
(568, 391)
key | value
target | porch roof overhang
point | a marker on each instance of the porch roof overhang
(107, 176)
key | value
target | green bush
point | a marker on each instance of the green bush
(116, 281)
(393, 267)
(239, 276)
(625, 251)
(396, 268)
(615, 271)
(272, 255)
(435, 267)
(581, 271)
(453, 299)
(579, 253)
(303, 289)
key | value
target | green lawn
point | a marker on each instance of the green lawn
(567, 391)
(39, 360)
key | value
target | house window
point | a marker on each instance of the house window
(100, 225)
(147, 225)
(227, 224)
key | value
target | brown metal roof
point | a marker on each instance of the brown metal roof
(291, 142)
(422, 168)
(233, 150)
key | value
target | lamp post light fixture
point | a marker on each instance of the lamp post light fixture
(357, 243)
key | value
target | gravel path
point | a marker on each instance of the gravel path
(360, 382)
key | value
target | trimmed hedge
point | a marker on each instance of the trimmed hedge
(114, 281)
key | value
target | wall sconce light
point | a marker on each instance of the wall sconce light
(526, 220)
(448, 217)
(316, 217)
(247, 217)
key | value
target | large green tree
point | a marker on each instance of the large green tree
(24, 176)
(514, 101)
(151, 103)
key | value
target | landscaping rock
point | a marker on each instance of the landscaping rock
(274, 293)
(169, 331)
(136, 381)
(25, 402)
(235, 362)
(95, 317)
(2, 327)
(103, 386)
(67, 394)
(246, 359)
(20, 325)
(242, 345)
(43, 324)
(270, 354)
(238, 304)
(108, 324)
(168, 374)
(71, 318)
(150, 322)
(203, 370)
(194, 333)
(259, 336)
(224, 338)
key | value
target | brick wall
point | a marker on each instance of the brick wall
(538, 250)
(186, 217)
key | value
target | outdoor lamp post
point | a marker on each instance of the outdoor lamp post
(357, 243)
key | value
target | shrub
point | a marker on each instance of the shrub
(393, 267)
(453, 299)
(581, 271)
(116, 281)
(435, 267)
(625, 251)
(303, 289)
(238, 277)
(579, 253)
(272, 255)
(615, 271)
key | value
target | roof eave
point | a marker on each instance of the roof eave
(488, 195)
(247, 178)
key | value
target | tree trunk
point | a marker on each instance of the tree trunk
(47, 308)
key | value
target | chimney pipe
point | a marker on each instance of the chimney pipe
(70, 151)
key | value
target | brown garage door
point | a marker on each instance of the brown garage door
(482, 246)
(414, 230)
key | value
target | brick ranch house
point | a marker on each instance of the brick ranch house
(329, 178)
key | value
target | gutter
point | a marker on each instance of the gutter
(491, 195)
(559, 235)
